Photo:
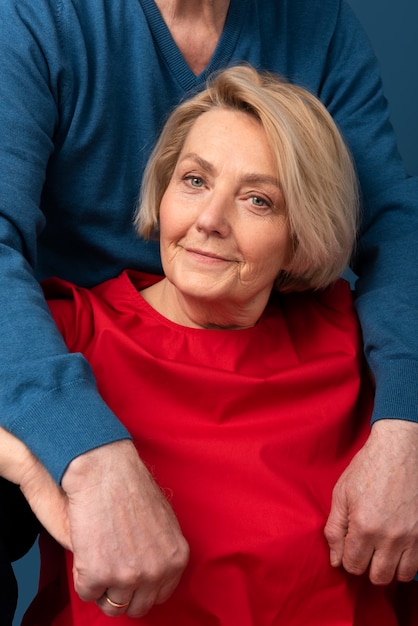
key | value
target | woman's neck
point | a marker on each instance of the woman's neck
(195, 313)
(196, 27)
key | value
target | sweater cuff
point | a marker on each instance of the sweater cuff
(396, 391)
(67, 422)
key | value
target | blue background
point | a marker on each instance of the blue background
(392, 28)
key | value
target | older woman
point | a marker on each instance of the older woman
(247, 354)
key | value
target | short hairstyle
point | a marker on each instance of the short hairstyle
(314, 169)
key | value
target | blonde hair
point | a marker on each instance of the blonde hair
(314, 167)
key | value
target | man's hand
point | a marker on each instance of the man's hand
(126, 540)
(374, 513)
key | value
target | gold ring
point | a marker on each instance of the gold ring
(116, 605)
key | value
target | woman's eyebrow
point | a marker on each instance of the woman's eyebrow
(264, 179)
(250, 178)
(205, 165)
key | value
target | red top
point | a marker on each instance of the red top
(247, 432)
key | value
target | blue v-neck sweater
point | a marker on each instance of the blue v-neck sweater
(85, 86)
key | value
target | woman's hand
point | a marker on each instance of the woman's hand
(47, 500)
(125, 537)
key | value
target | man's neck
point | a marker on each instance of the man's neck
(196, 27)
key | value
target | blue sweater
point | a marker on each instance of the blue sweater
(85, 87)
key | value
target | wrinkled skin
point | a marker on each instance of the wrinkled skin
(373, 522)
(135, 551)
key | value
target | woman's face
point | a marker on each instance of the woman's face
(223, 228)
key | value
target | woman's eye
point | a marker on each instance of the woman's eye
(194, 181)
(259, 202)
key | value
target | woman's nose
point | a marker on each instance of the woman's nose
(215, 215)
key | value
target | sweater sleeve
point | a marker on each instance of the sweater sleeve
(48, 397)
(386, 258)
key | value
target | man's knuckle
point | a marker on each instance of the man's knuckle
(354, 568)
(332, 535)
